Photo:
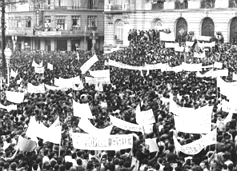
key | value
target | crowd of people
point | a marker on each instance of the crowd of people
(128, 89)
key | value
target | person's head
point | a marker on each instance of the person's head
(13, 166)
(79, 162)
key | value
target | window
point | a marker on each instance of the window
(28, 22)
(119, 30)
(92, 22)
(60, 3)
(18, 22)
(61, 24)
(76, 4)
(91, 4)
(47, 22)
(76, 22)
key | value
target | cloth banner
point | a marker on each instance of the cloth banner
(35, 89)
(203, 38)
(167, 37)
(68, 83)
(86, 66)
(26, 145)
(151, 142)
(191, 67)
(102, 142)
(199, 55)
(13, 73)
(82, 110)
(179, 49)
(189, 120)
(97, 80)
(87, 127)
(48, 87)
(9, 108)
(125, 125)
(50, 66)
(105, 74)
(15, 97)
(99, 87)
(213, 74)
(39, 70)
(197, 146)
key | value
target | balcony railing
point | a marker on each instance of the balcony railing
(232, 4)
(208, 4)
(181, 4)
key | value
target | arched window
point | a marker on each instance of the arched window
(157, 24)
(119, 30)
(208, 27)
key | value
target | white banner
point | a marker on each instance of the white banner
(167, 37)
(86, 66)
(197, 146)
(213, 74)
(35, 89)
(152, 145)
(189, 120)
(68, 83)
(99, 80)
(15, 97)
(227, 89)
(179, 49)
(87, 127)
(9, 107)
(199, 55)
(39, 70)
(100, 73)
(191, 67)
(125, 125)
(82, 110)
(51, 87)
(203, 38)
(111, 142)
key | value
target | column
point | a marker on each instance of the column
(52, 44)
(42, 44)
(69, 45)
(126, 29)
(33, 44)
(51, 4)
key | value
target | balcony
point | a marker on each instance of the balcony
(113, 7)
(116, 7)
(207, 4)
(181, 4)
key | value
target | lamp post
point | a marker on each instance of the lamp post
(8, 54)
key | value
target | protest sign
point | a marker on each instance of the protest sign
(125, 125)
(189, 44)
(13, 73)
(191, 120)
(26, 145)
(146, 117)
(228, 106)
(102, 142)
(218, 65)
(171, 45)
(97, 80)
(151, 142)
(9, 108)
(51, 87)
(39, 70)
(34, 64)
(50, 66)
(15, 97)
(191, 67)
(199, 55)
(86, 66)
(197, 146)
(167, 37)
(87, 127)
(82, 110)
(234, 77)
(35, 89)
(135, 163)
(100, 73)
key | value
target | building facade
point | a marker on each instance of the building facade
(201, 17)
(50, 25)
